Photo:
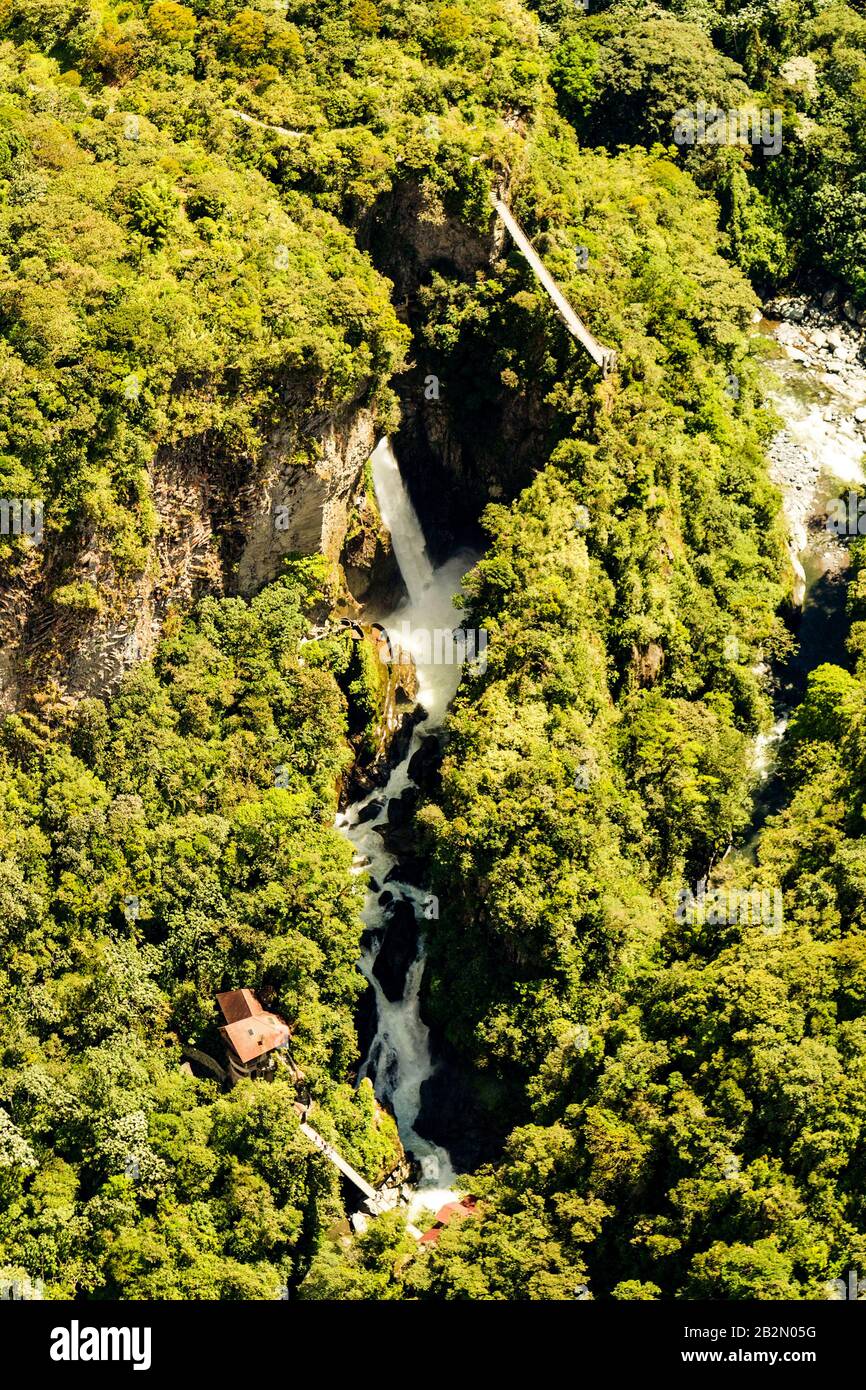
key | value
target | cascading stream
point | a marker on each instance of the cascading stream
(399, 1056)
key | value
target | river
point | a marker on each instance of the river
(399, 1059)
(816, 456)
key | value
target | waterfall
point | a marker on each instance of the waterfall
(399, 516)
(399, 1055)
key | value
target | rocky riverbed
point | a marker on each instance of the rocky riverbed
(818, 453)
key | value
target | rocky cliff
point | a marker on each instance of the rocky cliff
(218, 529)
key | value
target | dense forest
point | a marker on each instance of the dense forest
(228, 233)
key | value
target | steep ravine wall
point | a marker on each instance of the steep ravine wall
(222, 527)
(225, 527)
(465, 438)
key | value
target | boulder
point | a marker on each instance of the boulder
(398, 950)
(425, 763)
(401, 808)
(366, 1020)
(411, 869)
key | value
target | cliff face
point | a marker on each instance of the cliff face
(468, 436)
(189, 374)
(219, 530)
(304, 509)
(224, 527)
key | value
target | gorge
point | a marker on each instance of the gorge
(314, 317)
(399, 1058)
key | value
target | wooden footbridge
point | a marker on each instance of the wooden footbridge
(604, 357)
(338, 1161)
(376, 1199)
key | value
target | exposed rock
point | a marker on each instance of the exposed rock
(369, 812)
(646, 665)
(407, 233)
(453, 1115)
(403, 736)
(305, 508)
(398, 950)
(412, 869)
(400, 839)
(369, 564)
(792, 310)
(366, 777)
(366, 1020)
(387, 743)
(216, 534)
(425, 763)
(401, 808)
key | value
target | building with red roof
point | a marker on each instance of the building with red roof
(251, 1034)
(452, 1211)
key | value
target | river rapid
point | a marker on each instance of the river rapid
(399, 1059)
(817, 455)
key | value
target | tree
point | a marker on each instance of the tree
(574, 73)
(171, 22)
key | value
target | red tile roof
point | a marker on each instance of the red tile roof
(254, 1036)
(468, 1206)
(238, 1003)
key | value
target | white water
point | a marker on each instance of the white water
(400, 1051)
(766, 749)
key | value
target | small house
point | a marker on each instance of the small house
(252, 1035)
